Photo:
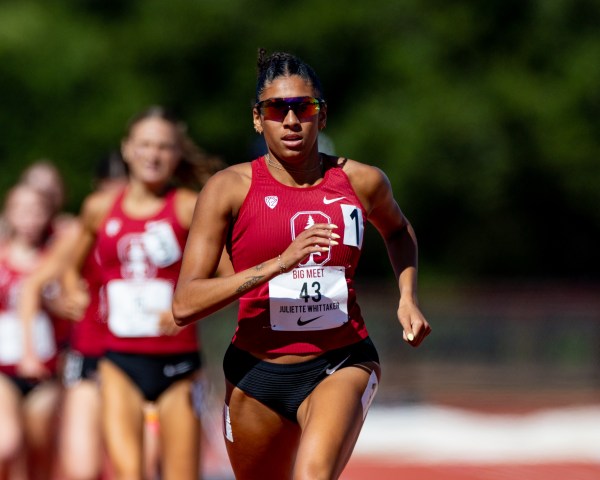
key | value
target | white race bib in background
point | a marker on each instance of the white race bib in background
(160, 244)
(134, 306)
(12, 341)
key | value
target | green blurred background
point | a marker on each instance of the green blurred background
(485, 116)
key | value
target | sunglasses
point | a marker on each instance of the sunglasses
(278, 108)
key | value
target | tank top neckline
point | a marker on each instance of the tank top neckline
(264, 169)
(167, 200)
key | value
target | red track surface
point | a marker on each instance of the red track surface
(361, 468)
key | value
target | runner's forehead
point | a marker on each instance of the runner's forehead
(292, 86)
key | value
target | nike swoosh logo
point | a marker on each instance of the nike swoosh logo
(329, 371)
(177, 369)
(327, 201)
(306, 322)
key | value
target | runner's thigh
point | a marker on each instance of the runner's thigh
(261, 443)
(331, 419)
(122, 420)
(179, 433)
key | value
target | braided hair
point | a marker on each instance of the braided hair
(282, 64)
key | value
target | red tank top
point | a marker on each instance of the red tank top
(312, 308)
(139, 261)
(11, 341)
(88, 334)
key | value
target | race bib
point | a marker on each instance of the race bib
(134, 307)
(160, 244)
(309, 298)
(354, 226)
(12, 341)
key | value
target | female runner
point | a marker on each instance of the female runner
(137, 236)
(29, 391)
(301, 370)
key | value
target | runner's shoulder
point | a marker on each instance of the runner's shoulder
(366, 179)
(97, 205)
(231, 179)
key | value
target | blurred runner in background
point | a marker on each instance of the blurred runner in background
(45, 177)
(81, 446)
(81, 450)
(29, 391)
(137, 235)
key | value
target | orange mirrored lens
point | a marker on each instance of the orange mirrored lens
(278, 108)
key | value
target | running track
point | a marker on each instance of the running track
(425, 442)
(436, 443)
(363, 469)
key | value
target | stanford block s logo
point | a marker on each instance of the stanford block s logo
(304, 220)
